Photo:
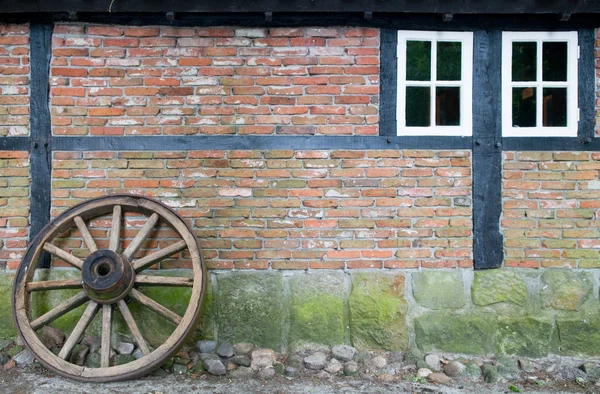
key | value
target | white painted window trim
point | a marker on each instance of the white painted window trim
(465, 84)
(572, 101)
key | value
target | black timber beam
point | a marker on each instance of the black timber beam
(40, 141)
(409, 6)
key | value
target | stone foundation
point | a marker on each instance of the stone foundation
(501, 312)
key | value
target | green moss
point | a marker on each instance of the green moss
(524, 336)
(566, 290)
(578, 335)
(7, 326)
(378, 311)
(439, 289)
(498, 286)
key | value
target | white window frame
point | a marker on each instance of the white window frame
(465, 84)
(508, 37)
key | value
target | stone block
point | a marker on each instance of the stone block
(566, 290)
(378, 311)
(578, 335)
(317, 308)
(497, 286)
(439, 289)
(250, 308)
(470, 334)
(7, 326)
(526, 336)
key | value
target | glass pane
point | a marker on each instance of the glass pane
(418, 107)
(447, 106)
(524, 107)
(418, 61)
(555, 107)
(524, 59)
(448, 61)
(554, 65)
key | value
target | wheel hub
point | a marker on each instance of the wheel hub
(107, 276)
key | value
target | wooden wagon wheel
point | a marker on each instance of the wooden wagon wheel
(109, 280)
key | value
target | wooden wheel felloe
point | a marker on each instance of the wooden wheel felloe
(109, 280)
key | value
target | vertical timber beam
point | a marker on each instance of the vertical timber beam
(41, 134)
(586, 87)
(487, 150)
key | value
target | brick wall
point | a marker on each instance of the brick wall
(14, 80)
(164, 80)
(597, 56)
(293, 209)
(14, 207)
(551, 209)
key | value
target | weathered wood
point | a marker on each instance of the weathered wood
(85, 234)
(155, 306)
(115, 229)
(152, 280)
(106, 332)
(62, 284)
(59, 310)
(79, 329)
(63, 255)
(135, 331)
(147, 261)
(141, 236)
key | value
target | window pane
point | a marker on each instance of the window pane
(555, 107)
(447, 106)
(418, 61)
(448, 61)
(418, 107)
(523, 114)
(524, 59)
(554, 65)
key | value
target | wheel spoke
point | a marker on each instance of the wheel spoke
(106, 329)
(141, 236)
(85, 234)
(60, 310)
(147, 261)
(135, 331)
(155, 306)
(148, 280)
(63, 255)
(62, 284)
(79, 329)
(115, 228)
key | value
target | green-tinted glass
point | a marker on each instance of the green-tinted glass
(418, 106)
(418, 61)
(524, 59)
(448, 61)
(447, 106)
(555, 107)
(523, 105)
(554, 61)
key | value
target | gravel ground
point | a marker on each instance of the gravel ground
(37, 381)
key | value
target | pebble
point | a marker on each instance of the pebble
(454, 369)
(225, 350)
(242, 372)
(121, 359)
(51, 337)
(208, 356)
(490, 373)
(179, 369)
(206, 346)
(266, 373)
(385, 377)
(278, 368)
(4, 358)
(92, 342)
(315, 361)
(138, 353)
(343, 352)
(438, 377)
(295, 361)
(243, 348)
(378, 362)
(351, 368)
(423, 372)
(215, 367)
(592, 370)
(262, 358)
(526, 365)
(323, 375)
(78, 355)
(125, 348)
(291, 372)
(10, 364)
(4, 343)
(507, 367)
(243, 361)
(24, 357)
(93, 360)
(473, 371)
(433, 362)
(334, 366)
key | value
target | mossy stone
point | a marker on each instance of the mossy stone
(470, 334)
(316, 309)
(121, 359)
(578, 335)
(13, 351)
(498, 285)
(93, 360)
(7, 326)
(566, 290)
(250, 308)
(528, 336)
(439, 289)
(378, 311)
